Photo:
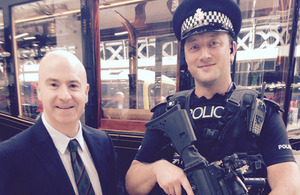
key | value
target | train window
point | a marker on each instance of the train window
(293, 120)
(263, 47)
(40, 27)
(4, 91)
(138, 59)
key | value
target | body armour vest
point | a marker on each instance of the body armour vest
(233, 133)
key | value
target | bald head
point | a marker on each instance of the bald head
(63, 90)
(57, 59)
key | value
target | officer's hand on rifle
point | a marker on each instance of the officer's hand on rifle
(171, 178)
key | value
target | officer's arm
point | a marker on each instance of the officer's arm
(284, 178)
(142, 177)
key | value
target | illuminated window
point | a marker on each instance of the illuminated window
(138, 60)
(4, 90)
(41, 27)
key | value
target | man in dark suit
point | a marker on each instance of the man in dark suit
(38, 160)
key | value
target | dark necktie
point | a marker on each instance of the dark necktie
(82, 179)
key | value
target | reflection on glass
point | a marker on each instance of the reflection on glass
(4, 91)
(263, 46)
(138, 58)
(293, 122)
(41, 27)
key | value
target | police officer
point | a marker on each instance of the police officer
(207, 30)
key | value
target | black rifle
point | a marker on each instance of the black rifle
(205, 178)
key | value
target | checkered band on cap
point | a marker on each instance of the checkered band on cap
(209, 18)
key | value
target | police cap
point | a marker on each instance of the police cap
(199, 16)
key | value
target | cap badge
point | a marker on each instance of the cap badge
(206, 18)
(199, 15)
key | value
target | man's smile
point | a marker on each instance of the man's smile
(64, 107)
(206, 65)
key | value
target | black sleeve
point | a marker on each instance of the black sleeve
(155, 144)
(274, 144)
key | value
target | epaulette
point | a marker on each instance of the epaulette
(159, 109)
(178, 94)
(157, 106)
(179, 97)
(274, 104)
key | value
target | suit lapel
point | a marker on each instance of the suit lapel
(46, 152)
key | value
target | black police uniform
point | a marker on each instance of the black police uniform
(272, 144)
(200, 16)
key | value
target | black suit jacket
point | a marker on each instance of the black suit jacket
(30, 163)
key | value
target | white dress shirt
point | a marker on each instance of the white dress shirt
(61, 142)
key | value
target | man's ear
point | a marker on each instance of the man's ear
(38, 91)
(232, 51)
(87, 89)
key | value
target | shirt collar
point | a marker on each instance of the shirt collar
(60, 140)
